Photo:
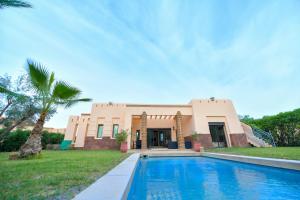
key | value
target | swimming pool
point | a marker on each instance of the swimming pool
(208, 178)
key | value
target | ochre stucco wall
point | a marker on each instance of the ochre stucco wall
(196, 116)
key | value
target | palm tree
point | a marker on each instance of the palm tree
(14, 3)
(51, 94)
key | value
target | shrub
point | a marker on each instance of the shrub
(51, 138)
(121, 137)
(17, 138)
(194, 136)
(14, 140)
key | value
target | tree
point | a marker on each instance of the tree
(12, 92)
(24, 111)
(285, 127)
(18, 105)
(14, 3)
(51, 94)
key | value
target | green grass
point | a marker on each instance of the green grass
(56, 175)
(292, 153)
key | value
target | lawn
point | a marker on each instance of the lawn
(56, 175)
(292, 153)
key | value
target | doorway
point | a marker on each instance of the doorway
(217, 134)
(158, 137)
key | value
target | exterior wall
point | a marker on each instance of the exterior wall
(205, 111)
(71, 128)
(82, 128)
(106, 114)
(204, 140)
(195, 117)
(226, 127)
(103, 143)
(187, 125)
(239, 140)
(54, 130)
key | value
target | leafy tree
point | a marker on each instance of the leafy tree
(283, 126)
(24, 111)
(14, 3)
(13, 96)
(51, 94)
(18, 104)
(12, 91)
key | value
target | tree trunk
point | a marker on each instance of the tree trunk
(33, 145)
(5, 108)
(5, 132)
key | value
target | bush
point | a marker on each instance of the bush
(51, 138)
(14, 141)
(121, 137)
(194, 136)
(17, 138)
(285, 127)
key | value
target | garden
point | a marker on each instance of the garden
(54, 174)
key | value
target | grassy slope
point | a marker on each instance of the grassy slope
(292, 153)
(58, 174)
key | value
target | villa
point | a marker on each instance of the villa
(153, 126)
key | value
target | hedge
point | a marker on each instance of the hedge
(17, 138)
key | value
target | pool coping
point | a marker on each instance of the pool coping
(114, 185)
(271, 162)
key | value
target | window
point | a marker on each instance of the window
(115, 130)
(100, 131)
(161, 136)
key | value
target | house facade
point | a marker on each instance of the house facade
(158, 126)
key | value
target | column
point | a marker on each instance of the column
(180, 139)
(127, 127)
(144, 130)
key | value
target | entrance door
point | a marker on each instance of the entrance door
(158, 137)
(217, 134)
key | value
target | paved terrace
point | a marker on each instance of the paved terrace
(165, 152)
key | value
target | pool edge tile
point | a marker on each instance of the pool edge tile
(271, 162)
(119, 177)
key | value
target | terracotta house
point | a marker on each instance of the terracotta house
(158, 126)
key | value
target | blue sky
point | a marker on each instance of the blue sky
(161, 51)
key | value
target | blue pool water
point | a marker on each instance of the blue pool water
(207, 178)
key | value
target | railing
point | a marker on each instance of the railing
(265, 136)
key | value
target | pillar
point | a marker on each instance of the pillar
(144, 130)
(127, 127)
(179, 134)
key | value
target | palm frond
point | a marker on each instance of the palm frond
(8, 92)
(3, 90)
(74, 101)
(14, 3)
(64, 91)
(71, 102)
(39, 76)
(51, 80)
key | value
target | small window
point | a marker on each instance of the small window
(100, 131)
(115, 130)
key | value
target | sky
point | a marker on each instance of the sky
(161, 52)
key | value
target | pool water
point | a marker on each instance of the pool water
(208, 178)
